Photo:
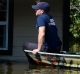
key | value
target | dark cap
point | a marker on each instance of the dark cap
(40, 5)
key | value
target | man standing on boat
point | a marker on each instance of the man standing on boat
(48, 39)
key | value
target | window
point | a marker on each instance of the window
(2, 36)
(5, 23)
(3, 10)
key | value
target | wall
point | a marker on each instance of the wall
(24, 21)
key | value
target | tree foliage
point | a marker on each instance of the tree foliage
(75, 18)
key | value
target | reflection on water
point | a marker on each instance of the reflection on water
(51, 70)
(22, 68)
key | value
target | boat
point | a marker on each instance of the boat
(54, 59)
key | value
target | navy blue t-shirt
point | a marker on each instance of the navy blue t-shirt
(52, 40)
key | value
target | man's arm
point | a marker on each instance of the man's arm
(41, 35)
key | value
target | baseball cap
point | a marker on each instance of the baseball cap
(40, 5)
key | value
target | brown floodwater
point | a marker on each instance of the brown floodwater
(24, 68)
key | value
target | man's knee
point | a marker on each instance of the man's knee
(29, 46)
(25, 45)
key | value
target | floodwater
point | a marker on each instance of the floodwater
(24, 68)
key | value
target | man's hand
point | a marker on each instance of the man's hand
(41, 34)
(35, 51)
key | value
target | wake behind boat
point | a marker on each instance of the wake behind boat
(44, 58)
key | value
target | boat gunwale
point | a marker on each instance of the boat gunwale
(57, 54)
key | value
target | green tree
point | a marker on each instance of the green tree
(75, 18)
(75, 24)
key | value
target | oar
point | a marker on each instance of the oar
(57, 54)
